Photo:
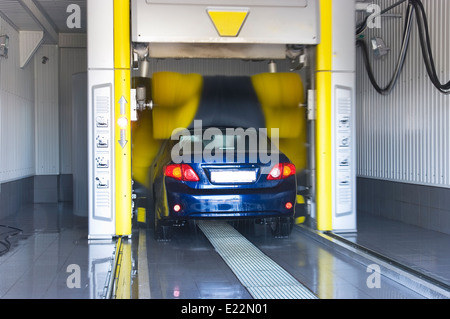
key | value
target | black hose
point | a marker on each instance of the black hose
(401, 60)
(6, 243)
(424, 35)
(414, 6)
(363, 25)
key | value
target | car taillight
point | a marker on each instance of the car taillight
(189, 174)
(181, 172)
(281, 171)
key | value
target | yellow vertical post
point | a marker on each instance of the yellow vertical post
(324, 118)
(122, 140)
(123, 272)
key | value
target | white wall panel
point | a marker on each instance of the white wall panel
(47, 110)
(72, 60)
(72, 40)
(405, 136)
(16, 112)
(29, 43)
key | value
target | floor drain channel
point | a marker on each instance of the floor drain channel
(260, 275)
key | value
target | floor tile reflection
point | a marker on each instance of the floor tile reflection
(189, 268)
(39, 262)
(326, 272)
(424, 250)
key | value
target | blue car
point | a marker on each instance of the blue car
(221, 173)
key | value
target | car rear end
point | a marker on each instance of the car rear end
(236, 184)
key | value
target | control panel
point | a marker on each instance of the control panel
(103, 150)
(344, 152)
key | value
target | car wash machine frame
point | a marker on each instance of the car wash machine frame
(124, 34)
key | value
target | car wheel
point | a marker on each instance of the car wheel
(247, 226)
(282, 227)
(162, 230)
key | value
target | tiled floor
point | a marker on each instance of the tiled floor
(423, 250)
(327, 272)
(188, 267)
(41, 259)
(36, 265)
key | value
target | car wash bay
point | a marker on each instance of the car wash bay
(402, 190)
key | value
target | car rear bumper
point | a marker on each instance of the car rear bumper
(231, 204)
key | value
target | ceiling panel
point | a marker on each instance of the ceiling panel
(15, 14)
(55, 11)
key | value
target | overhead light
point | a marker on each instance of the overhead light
(379, 47)
(4, 44)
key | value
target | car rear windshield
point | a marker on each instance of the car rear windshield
(238, 140)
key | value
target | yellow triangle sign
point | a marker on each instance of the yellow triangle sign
(228, 23)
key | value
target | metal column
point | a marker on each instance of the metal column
(335, 149)
(122, 81)
(109, 136)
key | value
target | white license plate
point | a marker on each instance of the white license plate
(233, 176)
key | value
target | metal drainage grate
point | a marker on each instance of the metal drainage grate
(260, 275)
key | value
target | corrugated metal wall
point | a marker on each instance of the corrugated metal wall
(36, 107)
(16, 112)
(405, 136)
(73, 59)
(46, 62)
